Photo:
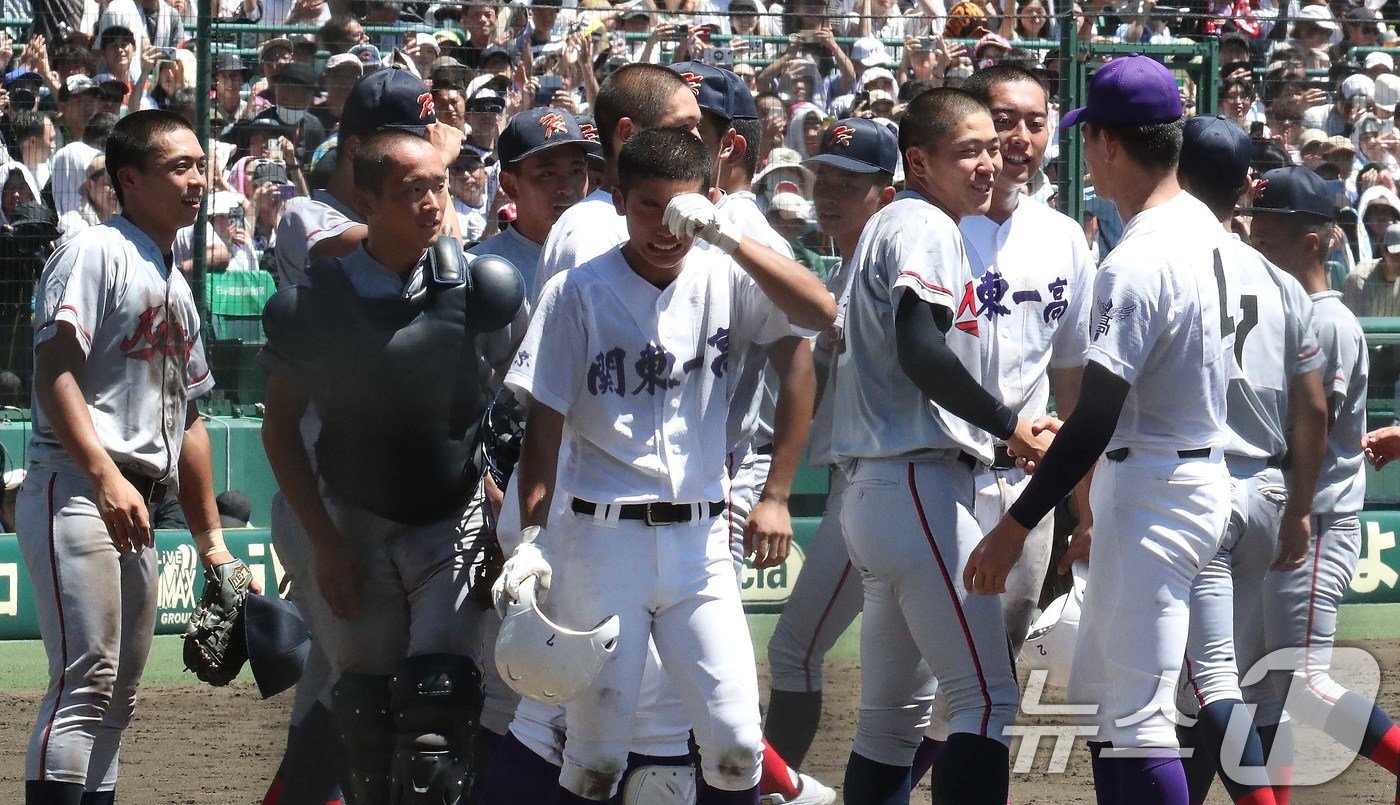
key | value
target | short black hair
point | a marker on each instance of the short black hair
(98, 129)
(1268, 156)
(1156, 146)
(752, 131)
(72, 54)
(638, 91)
(25, 125)
(1212, 187)
(375, 157)
(931, 116)
(334, 35)
(979, 85)
(669, 154)
(135, 138)
(1235, 83)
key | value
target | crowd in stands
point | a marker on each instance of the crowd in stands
(1297, 76)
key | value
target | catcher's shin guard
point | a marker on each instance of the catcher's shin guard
(437, 706)
(360, 705)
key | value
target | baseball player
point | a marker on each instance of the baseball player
(1293, 216)
(544, 172)
(393, 344)
(1276, 410)
(633, 98)
(854, 178)
(1159, 365)
(770, 406)
(119, 363)
(327, 225)
(916, 439)
(638, 537)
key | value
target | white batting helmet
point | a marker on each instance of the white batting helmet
(545, 662)
(1050, 644)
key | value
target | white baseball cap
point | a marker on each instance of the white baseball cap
(13, 479)
(870, 52)
(1379, 59)
(1321, 15)
(875, 74)
(789, 205)
(1387, 91)
(342, 59)
(1358, 84)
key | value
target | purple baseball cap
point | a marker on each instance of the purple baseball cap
(1130, 90)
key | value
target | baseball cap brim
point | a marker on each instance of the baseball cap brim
(844, 163)
(1073, 117)
(1287, 211)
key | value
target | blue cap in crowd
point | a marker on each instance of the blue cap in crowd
(1295, 190)
(21, 74)
(387, 99)
(1131, 91)
(717, 90)
(859, 145)
(1216, 147)
(539, 129)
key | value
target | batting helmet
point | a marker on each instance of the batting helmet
(1050, 644)
(545, 662)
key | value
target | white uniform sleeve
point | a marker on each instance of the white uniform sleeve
(1302, 338)
(75, 288)
(1071, 343)
(929, 262)
(754, 318)
(550, 364)
(1129, 314)
(200, 380)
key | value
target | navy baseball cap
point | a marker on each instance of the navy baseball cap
(387, 99)
(859, 145)
(588, 126)
(717, 90)
(539, 129)
(1295, 190)
(1130, 90)
(1217, 147)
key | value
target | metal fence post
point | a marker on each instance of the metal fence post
(1070, 170)
(203, 82)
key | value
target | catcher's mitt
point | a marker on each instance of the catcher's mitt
(215, 648)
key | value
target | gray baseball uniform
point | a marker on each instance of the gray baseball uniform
(138, 326)
(1274, 345)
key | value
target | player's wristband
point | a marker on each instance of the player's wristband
(215, 537)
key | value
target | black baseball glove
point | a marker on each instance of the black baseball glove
(215, 648)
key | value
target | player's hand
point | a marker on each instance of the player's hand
(991, 561)
(1294, 536)
(1080, 544)
(1381, 446)
(768, 533)
(527, 561)
(1029, 446)
(123, 511)
(223, 557)
(693, 216)
(447, 140)
(338, 576)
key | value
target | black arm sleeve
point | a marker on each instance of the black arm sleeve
(920, 339)
(1077, 446)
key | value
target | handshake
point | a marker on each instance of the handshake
(1031, 440)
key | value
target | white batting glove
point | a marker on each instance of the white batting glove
(694, 216)
(527, 561)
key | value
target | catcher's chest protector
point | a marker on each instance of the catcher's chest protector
(400, 387)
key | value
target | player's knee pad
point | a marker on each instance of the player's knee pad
(360, 706)
(659, 785)
(437, 706)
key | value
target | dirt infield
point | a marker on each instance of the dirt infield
(185, 738)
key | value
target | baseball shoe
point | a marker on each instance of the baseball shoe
(810, 792)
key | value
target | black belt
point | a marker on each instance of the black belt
(653, 514)
(1001, 459)
(150, 490)
(765, 450)
(1278, 462)
(1123, 452)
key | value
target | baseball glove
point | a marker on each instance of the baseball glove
(215, 648)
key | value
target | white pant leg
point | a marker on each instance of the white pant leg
(96, 608)
(1157, 520)
(660, 727)
(824, 603)
(910, 525)
(996, 491)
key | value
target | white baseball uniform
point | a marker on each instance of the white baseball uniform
(1301, 604)
(1165, 309)
(908, 512)
(139, 329)
(639, 373)
(1274, 345)
(660, 728)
